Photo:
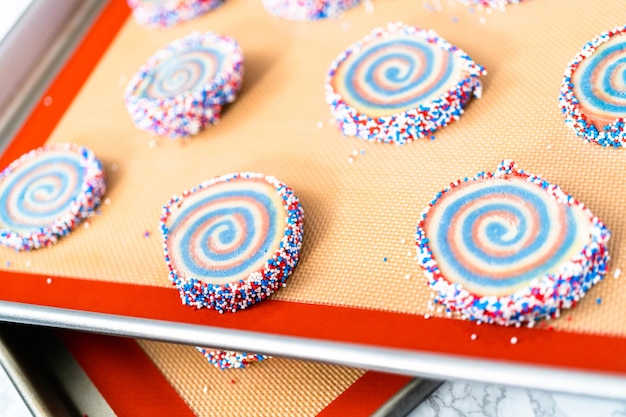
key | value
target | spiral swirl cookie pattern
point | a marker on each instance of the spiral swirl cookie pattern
(220, 235)
(45, 193)
(395, 74)
(400, 84)
(165, 13)
(232, 241)
(302, 10)
(182, 88)
(593, 92)
(508, 247)
(34, 196)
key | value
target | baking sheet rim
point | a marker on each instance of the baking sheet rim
(420, 364)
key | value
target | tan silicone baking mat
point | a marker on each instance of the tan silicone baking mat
(274, 387)
(358, 209)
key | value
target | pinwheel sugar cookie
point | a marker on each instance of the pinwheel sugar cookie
(47, 192)
(232, 241)
(400, 84)
(593, 92)
(308, 9)
(509, 247)
(165, 13)
(182, 88)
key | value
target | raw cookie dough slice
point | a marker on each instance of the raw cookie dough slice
(47, 192)
(509, 247)
(593, 92)
(400, 84)
(182, 88)
(308, 9)
(231, 241)
(165, 13)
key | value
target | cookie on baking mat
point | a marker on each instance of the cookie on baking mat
(47, 192)
(308, 9)
(165, 13)
(399, 84)
(226, 359)
(182, 88)
(593, 91)
(232, 241)
(509, 247)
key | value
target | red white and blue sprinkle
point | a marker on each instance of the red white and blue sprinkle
(499, 4)
(225, 359)
(303, 10)
(165, 13)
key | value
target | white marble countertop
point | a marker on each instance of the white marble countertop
(462, 399)
(11, 403)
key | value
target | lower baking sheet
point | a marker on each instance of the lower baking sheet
(357, 267)
(148, 378)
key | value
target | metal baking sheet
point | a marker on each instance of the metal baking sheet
(81, 373)
(345, 303)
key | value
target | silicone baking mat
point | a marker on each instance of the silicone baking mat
(148, 378)
(357, 280)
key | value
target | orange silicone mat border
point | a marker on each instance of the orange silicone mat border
(539, 346)
(134, 386)
(375, 328)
